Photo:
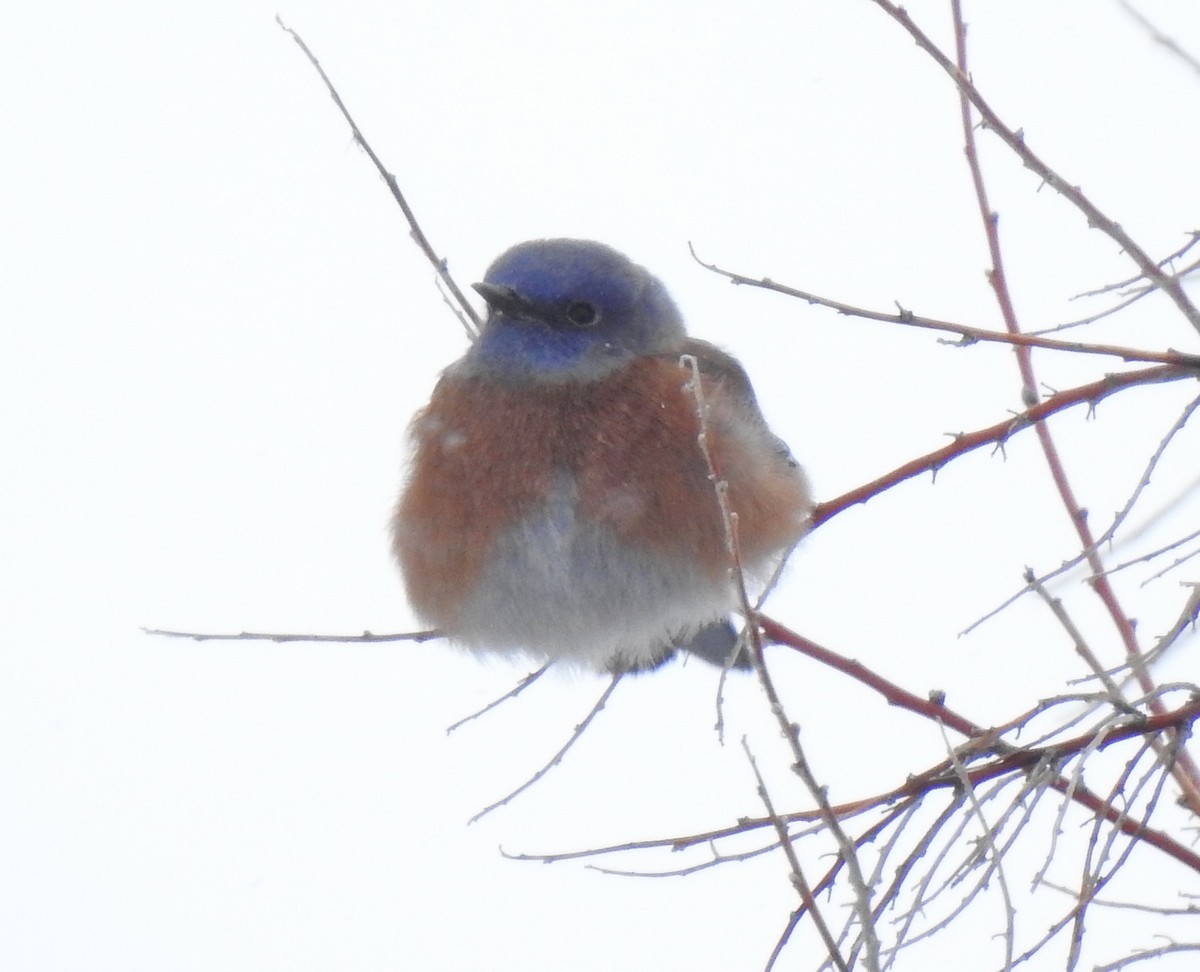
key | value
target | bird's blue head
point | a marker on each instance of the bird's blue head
(569, 310)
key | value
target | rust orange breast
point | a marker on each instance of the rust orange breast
(487, 455)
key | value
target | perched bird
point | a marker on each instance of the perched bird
(559, 503)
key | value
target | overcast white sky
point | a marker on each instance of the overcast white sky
(215, 330)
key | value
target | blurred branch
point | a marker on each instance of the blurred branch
(1148, 955)
(1134, 293)
(1167, 42)
(1142, 289)
(365, 638)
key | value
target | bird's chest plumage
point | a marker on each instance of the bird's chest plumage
(618, 455)
(585, 513)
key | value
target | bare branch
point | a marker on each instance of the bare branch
(970, 334)
(1015, 140)
(512, 693)
(965, 442)
(1163, 40)
(439, 264)
(557, 757)
(365, 638)
(798, 881)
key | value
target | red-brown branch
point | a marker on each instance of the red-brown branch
(998, 433)
(938, 711)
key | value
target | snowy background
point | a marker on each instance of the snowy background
(215, 330)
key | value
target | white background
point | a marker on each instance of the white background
(215, 330)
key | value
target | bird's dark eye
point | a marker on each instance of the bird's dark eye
(581, 313)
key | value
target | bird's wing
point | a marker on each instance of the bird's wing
(724, 369)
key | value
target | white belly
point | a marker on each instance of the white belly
(558, 588)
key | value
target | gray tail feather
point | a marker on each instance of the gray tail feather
(714, 643)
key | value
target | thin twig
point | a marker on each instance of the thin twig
(798, 880)
(438, 263)
(1148, 955)
(1131, 296)
(365, 637)
(1189, 911)
(1082, 649)
(1186, 771)
(1163, 40)
(557, 757)
(970, 334)
(1032, 582)
(1010, 911)
(512, 693)
(1184, 620)
(1194, 238)
(936, 709)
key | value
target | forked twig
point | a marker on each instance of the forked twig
(1015, 140)
(557, 757)
(799, 882)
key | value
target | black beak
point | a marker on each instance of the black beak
(505, 299)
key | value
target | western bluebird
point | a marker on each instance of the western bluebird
(559, 503)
